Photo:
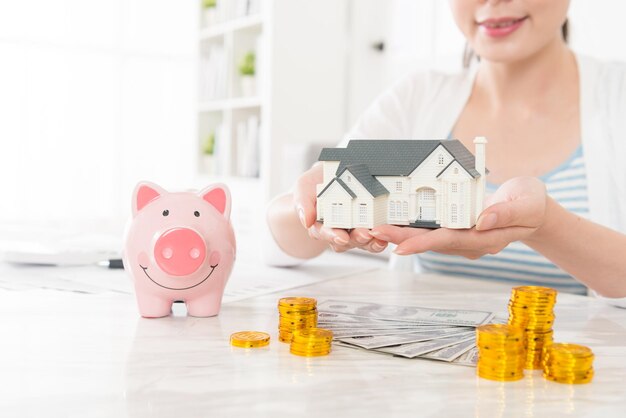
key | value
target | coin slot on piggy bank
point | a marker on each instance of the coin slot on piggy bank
(179, 246)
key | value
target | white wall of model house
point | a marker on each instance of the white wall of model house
(439, 190)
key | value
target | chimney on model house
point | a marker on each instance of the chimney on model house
(480, 143)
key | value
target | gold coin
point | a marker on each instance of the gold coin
(499, 331)
(297, 302)
(535, 290)
(249, 339)
(309, 353)
(502, 378)
(313, 333)
(569, 380)
(570, 350)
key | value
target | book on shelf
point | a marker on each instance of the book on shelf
(222, 150)
(247, 7)
(213, 79)
(247, 146)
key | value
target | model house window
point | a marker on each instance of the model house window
(363, 213)
(462, 212)
(456, 170)
(337, 212)
(395, 209)
(405, 210)
(440, 159)
(398, 186)
(348, 179)
(455, 187)
(454, 218)
(428, 194)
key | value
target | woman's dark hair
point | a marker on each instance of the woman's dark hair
(469, 55)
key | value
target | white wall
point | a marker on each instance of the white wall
(418, 34)
(597, 28)
(93, 96)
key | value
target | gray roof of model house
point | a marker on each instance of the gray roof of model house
(342, 184)
(373, 157)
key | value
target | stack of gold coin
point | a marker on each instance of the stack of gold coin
(311, 342)
(295, 313)
(250, 339)
(531, 308)
(568, 363)
(501, 352)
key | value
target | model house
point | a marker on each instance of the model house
(419, 183)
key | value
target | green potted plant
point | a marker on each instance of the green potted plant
(209, 11)
(247, 72)
(208, 154)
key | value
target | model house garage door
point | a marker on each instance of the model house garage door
(426, 205)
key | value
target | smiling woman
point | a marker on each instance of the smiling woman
(554, 125)
(515, 30)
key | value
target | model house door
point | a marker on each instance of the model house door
(426, 205)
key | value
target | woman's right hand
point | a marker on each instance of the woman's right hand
(340, 240)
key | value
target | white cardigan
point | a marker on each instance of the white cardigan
(428, 104)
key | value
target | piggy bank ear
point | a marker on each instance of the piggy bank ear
(145, 193)
(218, 196)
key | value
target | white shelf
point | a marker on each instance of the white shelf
(299, 92)
(242, 23)
(226, 104)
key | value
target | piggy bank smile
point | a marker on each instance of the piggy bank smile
(177, 273)
(145, 271)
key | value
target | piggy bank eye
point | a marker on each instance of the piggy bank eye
(196, 214)
(166, 212)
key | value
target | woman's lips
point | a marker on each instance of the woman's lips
(497, 28)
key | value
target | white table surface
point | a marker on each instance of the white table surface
(70, 354)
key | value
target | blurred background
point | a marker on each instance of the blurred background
(95, 96)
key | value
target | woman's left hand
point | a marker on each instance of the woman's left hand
(515, 212)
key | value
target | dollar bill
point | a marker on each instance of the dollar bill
(370, 342)
(364, 332)
(334, 318)
(469, 358)
(416, 349)
(367, 325)
(451, 352)
(407, 313)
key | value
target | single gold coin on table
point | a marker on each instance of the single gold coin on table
(250, 339)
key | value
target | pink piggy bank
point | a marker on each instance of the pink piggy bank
(179, 247)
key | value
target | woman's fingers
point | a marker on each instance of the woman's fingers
(459, 242)
(520, 201)
(337, 237)
(376, 246)
(523, 212)
(396, 234)
(341, 240)
(304, 195)
(360, 236)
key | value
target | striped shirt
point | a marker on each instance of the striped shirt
(518, 264)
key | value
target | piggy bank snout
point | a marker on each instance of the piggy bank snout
(180, 251)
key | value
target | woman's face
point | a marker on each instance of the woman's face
(509, 30)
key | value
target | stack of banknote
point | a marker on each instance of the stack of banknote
(407, 331)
